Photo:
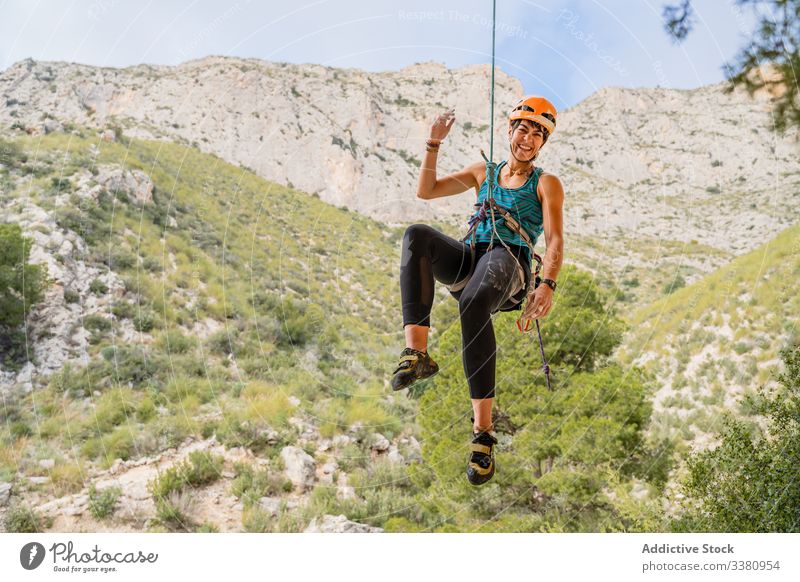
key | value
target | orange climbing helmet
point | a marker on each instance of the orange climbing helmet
(536, 109)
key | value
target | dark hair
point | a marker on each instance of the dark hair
(545, 133)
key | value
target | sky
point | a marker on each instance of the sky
(563, 49)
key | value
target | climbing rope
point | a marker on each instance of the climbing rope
(491, 175)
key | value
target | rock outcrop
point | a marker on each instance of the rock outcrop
(339, 524)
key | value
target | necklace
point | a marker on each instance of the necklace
(526, 173)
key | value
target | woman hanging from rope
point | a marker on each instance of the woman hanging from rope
(490, 270)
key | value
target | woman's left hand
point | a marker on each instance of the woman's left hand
(539, 303)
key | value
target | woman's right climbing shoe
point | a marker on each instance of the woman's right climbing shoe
(481, 462)
(414, 365)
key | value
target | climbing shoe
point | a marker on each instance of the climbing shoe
(414, 365)
(481, 462)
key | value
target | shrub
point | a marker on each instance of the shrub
(11, 155)
(674, 284)
(174, 342)
(132, 364)
(256, 520)
(112, 409)
(75, 381)
(120, 259)
(152, 264)
(173, 511)
(98, 287)
(102, 502)
(748, 483)
(71, 296)
(67, 478)
(223, 341)
(97, 323)
(23, 519)
(145, 321)
(251, 484)
(116, 445)
(19, 429)
(200, 468)
(59, 184)
(123, 310)
(21, 284)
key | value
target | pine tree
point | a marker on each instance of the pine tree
(21, 287)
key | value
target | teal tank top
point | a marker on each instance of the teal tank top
(522, 203)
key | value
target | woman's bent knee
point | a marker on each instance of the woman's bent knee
(415, 232)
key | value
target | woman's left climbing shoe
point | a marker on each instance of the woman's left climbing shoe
(481, 462)
(414, 365)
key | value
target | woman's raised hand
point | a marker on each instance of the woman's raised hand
(442, 124)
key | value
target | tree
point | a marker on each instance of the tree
(751, 481)
(560, 451)
(21, 287)
(776, 43)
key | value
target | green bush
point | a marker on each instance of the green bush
(252, 484)
(98, 287)
(23, 519)
(172, 511)
(131, 365)
(118, 444)
(200, 468)
(60, 185)
(97, 323)
(19, 429)
(123, 309)
(21, 285)
(144, 321)
(11, 155)
(748, 483)
(674, 284)
(255, 520)
(71, 296)
(120, 260)
(102, 502)
(223, 342)
(174, 342)
(152, 264)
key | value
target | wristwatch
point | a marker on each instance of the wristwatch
(550, 283)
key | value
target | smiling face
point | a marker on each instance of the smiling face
(527, 138)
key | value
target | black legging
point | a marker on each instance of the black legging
(427, 255)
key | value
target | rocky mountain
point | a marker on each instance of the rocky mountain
(190, 298)
(350, 137)
(691, 177)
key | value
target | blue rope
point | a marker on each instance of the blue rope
(491, 169)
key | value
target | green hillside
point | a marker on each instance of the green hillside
(721, 336)
(303, 296)
(264, 317)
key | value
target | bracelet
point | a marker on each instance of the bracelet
(432, 145)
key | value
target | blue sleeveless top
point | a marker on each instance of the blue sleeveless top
(522, 203)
